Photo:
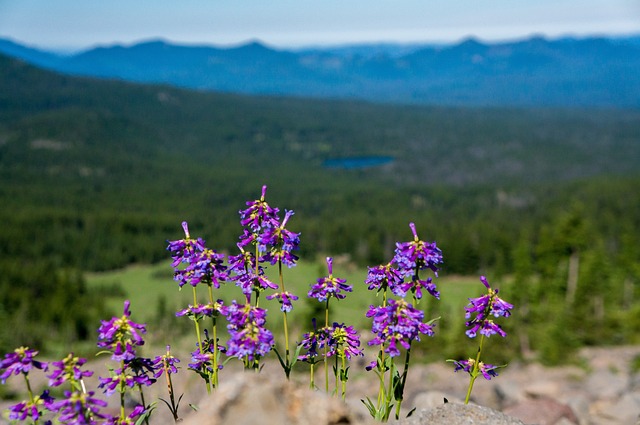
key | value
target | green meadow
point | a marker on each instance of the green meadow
(152, 292)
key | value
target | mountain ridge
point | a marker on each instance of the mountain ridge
(589, 72)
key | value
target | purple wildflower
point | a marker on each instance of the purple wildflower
(130, 419)
(121, 378)
(329, 286)
(386, 276)
(487, 370)
(120, 335)
(312, 341)
(194, 263)
(243, 267)
(204, 310)
(398, 322)
(183, 249)
(285, 299)
(21, 360)
(259, 215)
(343, 341)
(68, 370)
(30, 409)
(417, 255)
(165, 363)
(203, 359)
(482, 307)
(78, 407)
(248, 337)
(279, 243)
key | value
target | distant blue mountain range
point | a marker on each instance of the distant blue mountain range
(589, 72)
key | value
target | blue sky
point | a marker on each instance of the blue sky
(76, 24)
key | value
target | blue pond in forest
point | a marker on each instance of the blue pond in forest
(358, 162)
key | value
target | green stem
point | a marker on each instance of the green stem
(343, 378)
(30, 391)
(403, 381)
(312, 383)
(197, 325)
(475, 371)
(326, 366)
(336, 375)
(287, 369)
(214, 330)
(122, 412)
(146, 419)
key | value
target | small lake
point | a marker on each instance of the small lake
(358, 162)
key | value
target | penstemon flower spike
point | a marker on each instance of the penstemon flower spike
(483, 307)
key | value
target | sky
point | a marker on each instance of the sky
(79, 24)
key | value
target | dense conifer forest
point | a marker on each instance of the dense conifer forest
(96, 175)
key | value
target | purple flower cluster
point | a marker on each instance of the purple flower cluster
(247, 275)
(21, 360)
(397, 322)
(284, 298)
(329, 286)
(202, 361)
(30, 409)
(204, 310)
(487, 370)
(120, 335)
(194, 263)
(401, 274)
(249, 339)
(165, 364)
(273, 241)
(339, 339)
(343, 341)
(68, 370)
(78, 407)
(483, 307)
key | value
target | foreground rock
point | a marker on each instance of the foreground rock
(255, 399)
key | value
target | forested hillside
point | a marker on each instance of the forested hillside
(96, 175)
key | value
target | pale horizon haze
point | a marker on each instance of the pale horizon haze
(68, 25)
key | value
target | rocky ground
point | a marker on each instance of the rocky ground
(604, 390)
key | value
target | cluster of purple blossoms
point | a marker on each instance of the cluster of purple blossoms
(397, 322)
(483, 307)
(21, 360)
(343, 341)
(30, 409)
(202, 360)
(204, 310)
(120, 335)
(249, 339)
(259, 215)
(284, 298)
(79, 407)
(165, 364)
(247, 275)
(329, 286)
(487, 370)
(339, 339)
(68, 370)
(264, 230)
(194, 263)
(400, 275)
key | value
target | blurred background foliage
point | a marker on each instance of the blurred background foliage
(97, 175)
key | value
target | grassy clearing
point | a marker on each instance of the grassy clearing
(146, 285)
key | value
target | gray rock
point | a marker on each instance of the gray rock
(250, 399)
(460, 414)
(542, 411)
